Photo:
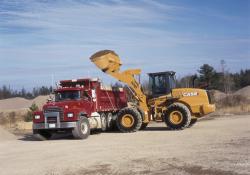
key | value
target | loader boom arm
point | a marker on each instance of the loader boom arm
(109, 62)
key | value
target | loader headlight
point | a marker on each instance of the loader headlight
(70, 115)
(37, 117)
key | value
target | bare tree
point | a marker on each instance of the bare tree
(227, 80)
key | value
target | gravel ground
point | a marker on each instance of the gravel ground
(218, 146)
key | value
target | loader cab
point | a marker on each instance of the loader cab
(161, 83)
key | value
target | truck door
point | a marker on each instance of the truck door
(87, 102)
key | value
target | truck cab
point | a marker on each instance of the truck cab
(79, 106)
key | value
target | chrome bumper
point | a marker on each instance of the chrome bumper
(62, 125)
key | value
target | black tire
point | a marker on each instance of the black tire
(143, 126)
(113, 126)
(43, 134)
(183, 114)
(132, 115)
(82, 129)
(110, 122)
(193, 121)
(104, 122)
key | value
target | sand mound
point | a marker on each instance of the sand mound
(14, 103)
(218, 95)
(21, 103)
(245, 92)
(5, 135)
(40, 100)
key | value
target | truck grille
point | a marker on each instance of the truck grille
(51, 120)
(55, 109)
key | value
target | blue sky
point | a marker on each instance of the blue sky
(42, 38)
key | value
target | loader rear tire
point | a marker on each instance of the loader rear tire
(193, 121)
(129, 120)
(178, 116)
(82, 129)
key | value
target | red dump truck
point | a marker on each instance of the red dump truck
(79, 106)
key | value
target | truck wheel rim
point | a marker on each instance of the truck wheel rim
(84, 128)
(176, 117)
(128, 120)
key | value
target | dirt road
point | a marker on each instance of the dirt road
(220, 146)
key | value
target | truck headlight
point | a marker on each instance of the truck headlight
(70, 115)
(37, 117)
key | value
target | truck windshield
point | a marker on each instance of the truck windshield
(67, 95)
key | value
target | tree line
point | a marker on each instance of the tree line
(7, 92)
(208, 78)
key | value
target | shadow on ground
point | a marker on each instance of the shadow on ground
(56, 136)
(68, 136)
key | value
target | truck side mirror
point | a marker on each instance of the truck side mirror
(50, 99)
(86, 95)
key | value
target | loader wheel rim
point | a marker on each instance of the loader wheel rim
(176, 117)
(127, 120)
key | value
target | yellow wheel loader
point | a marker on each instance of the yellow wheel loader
(179, 108)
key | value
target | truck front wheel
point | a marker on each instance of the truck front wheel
(82, 129)
(129, 120)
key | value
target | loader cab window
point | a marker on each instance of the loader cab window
(161, 83)
(171, 83)
(68, 95)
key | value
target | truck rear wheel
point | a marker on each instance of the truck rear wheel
(177, 116)
(82, 129)
(104, 122)
(109, 121)
(129, 120)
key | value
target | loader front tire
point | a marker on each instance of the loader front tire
(178, 116)
(82, 129)
(144, 125)
(129, 120)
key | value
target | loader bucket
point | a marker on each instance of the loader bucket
(106, 60)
